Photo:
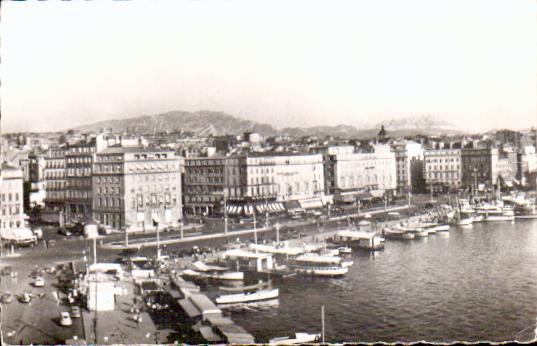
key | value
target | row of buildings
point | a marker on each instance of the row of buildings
(124, 182)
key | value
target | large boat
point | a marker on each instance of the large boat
(300, 338)
(318, 265)
(465, 221)
(495, 212)
(359, 239)
(235, 289)
(248, 296)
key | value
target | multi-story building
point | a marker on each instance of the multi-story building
(203, 188)
(36, 168)
(443, 169)
(409, 165)
(261, 181)
(78, 177)
(54, 179)
(136, 188)
(11, 198)
(354, 173)
(479, 166)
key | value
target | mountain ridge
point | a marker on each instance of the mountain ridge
(207, 123)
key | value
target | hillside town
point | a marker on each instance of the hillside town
(115, 193)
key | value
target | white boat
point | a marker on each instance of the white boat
(466, 221)
(360, 239)
(398, 234)
(347, 263)
(300, 338)
(344, 250)
(494, 216)
(216, 275)
(248, 296)
(323, 271)
(442, 228)
(526, 217)
(202, 267)
(478, 218)
(319, 265)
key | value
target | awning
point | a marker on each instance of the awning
(345, 198)
(314, 203)
(280, 207)
(189, 308)
(377, 193)
(259, 208)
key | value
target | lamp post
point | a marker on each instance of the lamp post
(255, 234)
(225, 212)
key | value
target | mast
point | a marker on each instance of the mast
(322, 322)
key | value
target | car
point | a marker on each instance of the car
(64, 231)
(25, 298)
(6, 298)
(65, 319)
(75, 312)
(39, 282)
(429, 205)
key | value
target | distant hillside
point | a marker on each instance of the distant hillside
(203, 123)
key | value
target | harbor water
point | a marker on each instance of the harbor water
(478, 282)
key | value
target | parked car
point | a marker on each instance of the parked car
(6, 298)
(75, 312)
(65, 319)
(39, 282)
(64, 231)
(25, 298)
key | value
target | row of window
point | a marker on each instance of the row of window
(449, 159)
(112, 190)
(441, 167)
(15, 210)
(78, 172)
(440, 175)
(11, 224)
(54, 175)
(10, 197)
(190, 162)
(78, 160)
(154, 188)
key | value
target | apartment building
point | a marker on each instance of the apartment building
(54, 179)
(443, 168)
(136, 188)
(203, 188)
(352, 173)
(11, 197)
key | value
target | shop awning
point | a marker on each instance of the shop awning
(377, 193)
(345, 198)
(314, 203)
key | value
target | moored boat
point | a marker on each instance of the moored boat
(248, 296)
(300, 338)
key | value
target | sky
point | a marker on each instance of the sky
(287, 63)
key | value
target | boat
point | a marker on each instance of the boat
(347, 263)
(344, 250)
(245, 297)
(442, 228)
(257, 286)
(202, 267)
(525, 210)
(359, 239)
(318, 265)
(215, 275)
(417, 231)
(391, 233)
(300, 338)
(495, 212)
(466, 221)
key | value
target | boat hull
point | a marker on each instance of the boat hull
(526, 217)
(248, 297)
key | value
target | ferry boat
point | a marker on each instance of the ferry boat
(248, 296)
(359, 239)
(318, 265)
(300, 338)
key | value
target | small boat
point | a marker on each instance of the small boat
(478, 218)
(442, 228)
(391, 233)
(345, 250)
(300, 338)
(466, 221)
(323, 271)
(257, 286)
(216, 275)
(347, 263)
(248, 296)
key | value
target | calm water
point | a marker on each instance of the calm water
(478, 283)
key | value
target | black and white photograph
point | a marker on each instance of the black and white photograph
(268, 172)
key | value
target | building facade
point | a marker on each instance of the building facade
(54, 179)
(443, 169)
(136, 188)
(78, 177)
(203, 188)
(351, 173)
(11, 197)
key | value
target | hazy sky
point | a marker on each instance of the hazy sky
(282, 62)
